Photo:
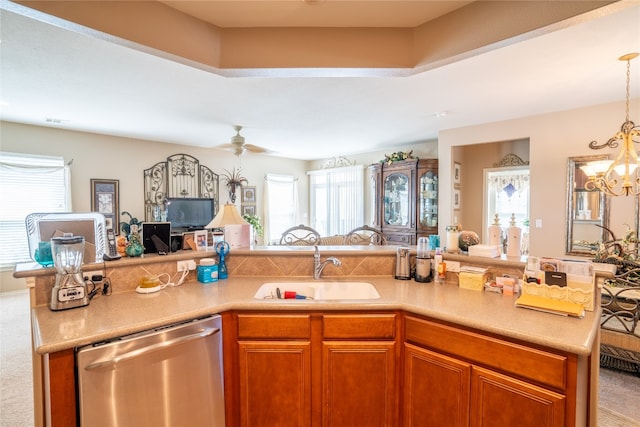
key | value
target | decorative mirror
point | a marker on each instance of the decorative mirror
(587, 211)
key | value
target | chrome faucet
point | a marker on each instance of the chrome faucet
(318, 265)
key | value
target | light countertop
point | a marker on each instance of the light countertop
(129, 312)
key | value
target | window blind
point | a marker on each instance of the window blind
(30, 184)
(280, 205)
(336, 199)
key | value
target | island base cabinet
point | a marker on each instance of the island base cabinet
(440, 390)
(499, 400)
(275, 384)
(312, 369)
(358, 384)
(436, 389)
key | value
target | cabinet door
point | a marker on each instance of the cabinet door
(428, 198)
(397, 192)
(375, 186)
(275, 383)
(436, 389)
(358, 384)
(499, 400)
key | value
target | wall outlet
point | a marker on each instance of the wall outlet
(186, 265)
(90, 275)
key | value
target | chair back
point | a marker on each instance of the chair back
(300, 235)
(365, 235)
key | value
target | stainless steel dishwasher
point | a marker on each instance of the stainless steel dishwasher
(169, 376)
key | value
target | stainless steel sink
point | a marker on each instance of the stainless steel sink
(318, 290)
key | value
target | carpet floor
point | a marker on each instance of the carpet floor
(619, 392)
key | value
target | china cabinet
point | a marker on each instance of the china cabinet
(405, 199)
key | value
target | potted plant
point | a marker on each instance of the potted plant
(254, 220)
(233, 180)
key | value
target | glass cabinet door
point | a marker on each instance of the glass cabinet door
(428, 199)
(396, 199)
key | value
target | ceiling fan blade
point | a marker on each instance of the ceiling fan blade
(255, 148)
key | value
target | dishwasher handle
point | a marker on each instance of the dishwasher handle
(151, 348)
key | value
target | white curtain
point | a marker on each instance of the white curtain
(337, 199)
(509, 182)
(281, 205)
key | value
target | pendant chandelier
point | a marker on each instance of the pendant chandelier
(619, 177)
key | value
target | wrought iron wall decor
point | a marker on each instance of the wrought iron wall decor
(181, 175)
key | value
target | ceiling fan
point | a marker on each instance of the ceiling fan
(238, 146)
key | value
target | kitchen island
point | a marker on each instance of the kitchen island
(567, 348)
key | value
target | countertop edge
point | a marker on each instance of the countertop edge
(582, 346)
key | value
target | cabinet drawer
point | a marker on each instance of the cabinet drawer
(267, 326)
(530, 363)
(406, 239)
(354, 326)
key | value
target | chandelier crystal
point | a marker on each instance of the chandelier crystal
(619, 177)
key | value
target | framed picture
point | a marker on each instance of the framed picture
(248, 209)
(456, 198)
(188, 241)
(201, 238)
(105, 199)
(248, 194)
(456, 173)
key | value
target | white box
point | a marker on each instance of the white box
(237, 235)
(486, 251)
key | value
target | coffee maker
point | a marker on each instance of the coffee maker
(70, 290)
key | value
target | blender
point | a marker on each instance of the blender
(70, 289)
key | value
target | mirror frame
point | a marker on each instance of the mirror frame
(604, 203)
(638, 219)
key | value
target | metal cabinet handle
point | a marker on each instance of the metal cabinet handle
(151, 348)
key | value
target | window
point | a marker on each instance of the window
(280, 205)
(336, 196)
(507, 194)
(29, 184)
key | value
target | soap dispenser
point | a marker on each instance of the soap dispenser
(495, 233)
(514, 237)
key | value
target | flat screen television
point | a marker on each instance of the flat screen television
(189, 213)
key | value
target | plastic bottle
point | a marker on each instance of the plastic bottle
(440, 267)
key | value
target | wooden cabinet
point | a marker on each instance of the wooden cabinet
(459, 378)
(502, 400)
(436, 389)
(313, 369)
(405, 201)
(275, 383)
(359, 355)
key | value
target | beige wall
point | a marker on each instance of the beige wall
(552, 139)
(108, 157)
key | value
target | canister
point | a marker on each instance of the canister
(423, 261)
(207, 271)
